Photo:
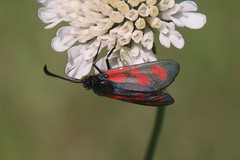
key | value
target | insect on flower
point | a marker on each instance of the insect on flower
(142, 84)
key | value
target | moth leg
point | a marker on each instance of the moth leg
(95, 58)
(109, 54)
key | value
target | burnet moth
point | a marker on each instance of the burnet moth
(142, 84)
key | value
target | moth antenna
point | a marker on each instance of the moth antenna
(95, 58)
(109, 54)
(48, 73)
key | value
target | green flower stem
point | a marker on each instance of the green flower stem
(155, 133)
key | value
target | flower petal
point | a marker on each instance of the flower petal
(101, 63)
(125, 56)
(148, 38)
(77, 67)
(177, 39)
(41, 1)
(135, 49)
(136, 54)
(114, 61)
(164, 40)
(126, 28)
(193, 20)
(65, 38)
(187, 6)
(89, 52)
(137, 35)
(147, 55)
(47, 16)
(79, 70)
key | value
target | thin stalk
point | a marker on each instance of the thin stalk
(155, 133)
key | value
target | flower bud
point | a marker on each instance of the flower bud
(143, 10)
(154, 22)
(137, 35)
(116, 17)
(151, 2)
(154, 11)
(123, 7)
(133, 3)
(132, 15)
(140, 23)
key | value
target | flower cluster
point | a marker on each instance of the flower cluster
(130, 24)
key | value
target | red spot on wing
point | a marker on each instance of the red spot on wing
(119, 97)
(117, 77)
(160, 98)
(142, 79)
(140, 96)
(157, 99)
(161, 72)
(114, 96)
(134, 70)
(130, 99)
(117, 70)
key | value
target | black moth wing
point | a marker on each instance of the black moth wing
(160, 98)
(146, 77)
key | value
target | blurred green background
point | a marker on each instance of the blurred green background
(43, 118)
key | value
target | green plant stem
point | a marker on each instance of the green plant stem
(155, 133)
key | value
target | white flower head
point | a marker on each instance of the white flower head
(129, 25)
